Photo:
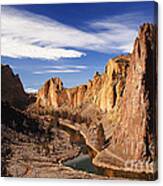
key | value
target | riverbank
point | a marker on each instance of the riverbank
(87, 164)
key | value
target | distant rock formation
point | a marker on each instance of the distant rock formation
(48, 95)
(114, 80)
(12, 89)
(104, 90)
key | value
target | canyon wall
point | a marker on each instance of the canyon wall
(133, 146)
(135, 137)
(104, 90)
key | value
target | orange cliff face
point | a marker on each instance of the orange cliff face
(114, 80)
(138, 124)
(104, 90)
(133, 146)
(48, 95)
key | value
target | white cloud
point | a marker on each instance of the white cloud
(57, 71)
(66, 67)
(77, 66)
(31, 90)
(26, 34)
(61, 69)
(18, 49)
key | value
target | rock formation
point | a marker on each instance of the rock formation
(109, 95)
(48, 95)
(104, 90)
(12, 88)
(139, 100)
(133, 142)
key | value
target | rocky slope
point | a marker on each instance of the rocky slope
(30, 148)
(12, 88)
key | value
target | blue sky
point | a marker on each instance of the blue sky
(70, 41)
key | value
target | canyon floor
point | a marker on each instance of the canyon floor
(23, 155)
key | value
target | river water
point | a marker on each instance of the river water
(82, 162)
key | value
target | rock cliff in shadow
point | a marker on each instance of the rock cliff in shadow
(12, 88)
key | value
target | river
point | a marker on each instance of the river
(82, 162)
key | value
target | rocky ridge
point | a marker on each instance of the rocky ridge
(104, 90)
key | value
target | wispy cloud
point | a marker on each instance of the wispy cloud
(31, 90)
(26, 34)
(57, 71)
(66, 67)
(61, 69)
(119, 31)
